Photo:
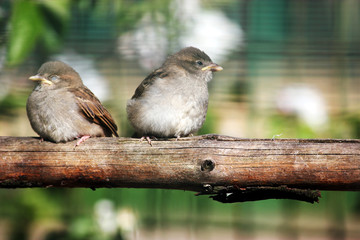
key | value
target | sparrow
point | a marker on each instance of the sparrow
(61, 108)
(173, 100)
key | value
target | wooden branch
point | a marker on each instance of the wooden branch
(206, 164)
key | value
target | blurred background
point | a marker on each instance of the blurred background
(291, 70)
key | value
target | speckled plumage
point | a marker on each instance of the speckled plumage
(172, 101)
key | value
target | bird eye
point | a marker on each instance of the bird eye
(54, 78)
(198, 62)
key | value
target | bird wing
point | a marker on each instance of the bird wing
(93, 109)
(148, 81)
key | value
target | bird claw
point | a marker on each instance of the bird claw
(148, 139)
(82, 139)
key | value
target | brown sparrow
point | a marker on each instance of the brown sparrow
(172, 101)
(62, 109)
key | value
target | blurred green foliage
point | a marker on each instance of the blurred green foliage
(35, 23)
(44, 23)
(10, 103)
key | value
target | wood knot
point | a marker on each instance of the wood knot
(207, 165)
(208, 188)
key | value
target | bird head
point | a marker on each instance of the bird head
(195, 62)
(56, 74)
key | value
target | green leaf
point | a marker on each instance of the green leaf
(51, 40)
(56, 16)
(35, 22)
(58, 7)
(26, 25)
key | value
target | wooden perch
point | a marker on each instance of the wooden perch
(208, 164)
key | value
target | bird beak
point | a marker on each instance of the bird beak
(41, 79)
(212, 67)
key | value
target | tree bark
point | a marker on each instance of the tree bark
(207, 163)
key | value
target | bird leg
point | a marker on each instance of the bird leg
(82, 139)
(148, 139)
